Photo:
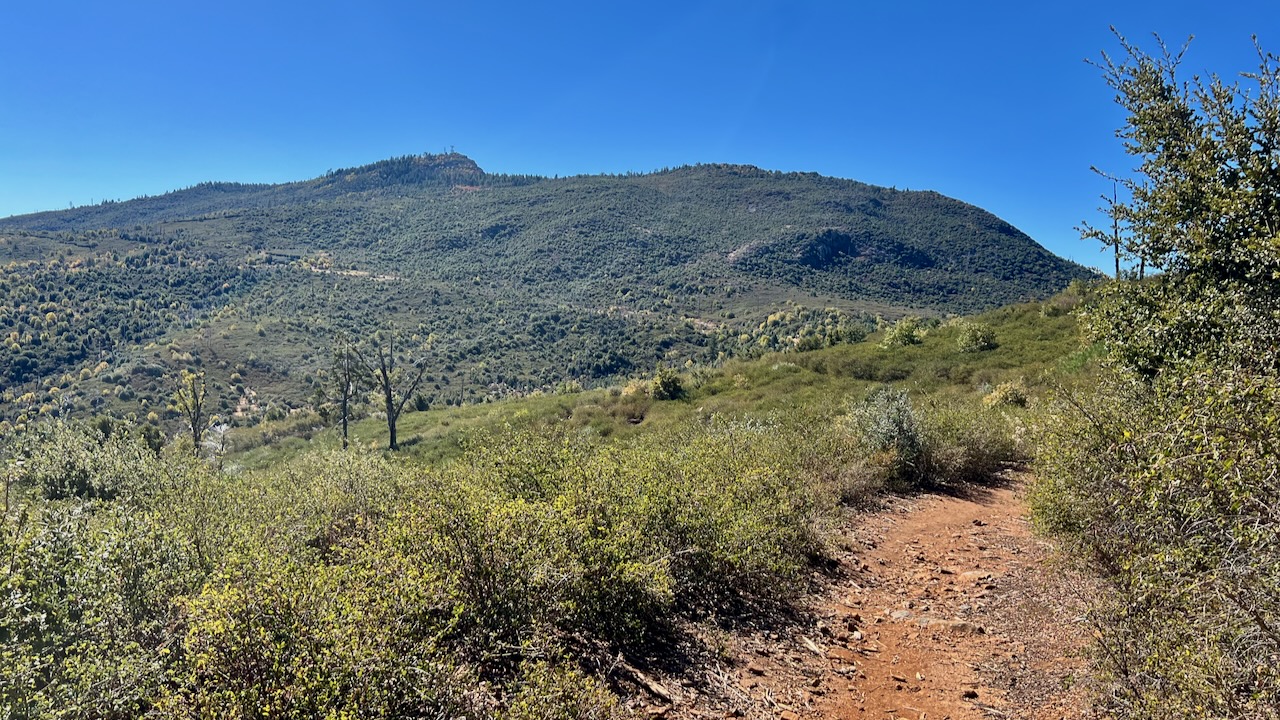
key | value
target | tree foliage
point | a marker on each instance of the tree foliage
(1204, 211)
(1166, 474)
(191, 401)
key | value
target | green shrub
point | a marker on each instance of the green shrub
(666, 384)
(940, 442)
(975, 337)
(64, 460)
(1011, 393)
(730, 505)
(885, 425)
(352, 585)
(965, 444)
(548, 692)
(85, 611)
(1170, 488)
(907, 331)
(357, 639)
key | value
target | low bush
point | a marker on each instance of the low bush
(1011, 393)
(85, 611)
(64, 460)
(666, 384)
(355, 585)
(975, 337)
(965, 444)
(886, 427)
(1169, 488)
(907, 331)
(941, 441)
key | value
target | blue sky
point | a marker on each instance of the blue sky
(991, 103)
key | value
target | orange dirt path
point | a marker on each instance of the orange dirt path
(947, 607)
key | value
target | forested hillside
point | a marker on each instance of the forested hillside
(501, 284)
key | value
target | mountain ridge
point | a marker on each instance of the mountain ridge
(520, 282)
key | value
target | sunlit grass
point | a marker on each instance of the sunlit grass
(1031, 340)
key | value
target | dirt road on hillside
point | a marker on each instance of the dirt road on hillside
(946, 607)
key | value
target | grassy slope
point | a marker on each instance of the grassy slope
(1032, 338)
(330, 582)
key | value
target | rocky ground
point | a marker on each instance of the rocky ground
(944, 606)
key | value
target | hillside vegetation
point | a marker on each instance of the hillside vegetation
(635, 409)
(565, 552)
(502, 284)
(1031, 341)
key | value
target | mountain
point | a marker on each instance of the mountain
(504, 283)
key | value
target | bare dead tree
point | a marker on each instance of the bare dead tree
(395, 376)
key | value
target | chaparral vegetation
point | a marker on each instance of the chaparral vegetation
(413, 440)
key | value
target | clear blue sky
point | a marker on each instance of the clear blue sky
(988, 102)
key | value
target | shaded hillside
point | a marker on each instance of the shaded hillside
(505, 283)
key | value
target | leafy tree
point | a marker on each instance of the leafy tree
(1166, 475)
(1204, 210)
(393, 381)
(192, 403)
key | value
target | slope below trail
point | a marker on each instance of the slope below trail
(946, 607)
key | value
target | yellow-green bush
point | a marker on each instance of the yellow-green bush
(965, 443)
(277, 638)
(550, 692)
(975, 337)
(1011, 393)
(1171, 488)
(353, 585)
(85, 609)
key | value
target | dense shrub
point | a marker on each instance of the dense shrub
(666, 384)
(85, 612)
(550, 692)
(353, 585)
(63, 460)
(1171, 488)
(942, 442)
(965, 444)
(1010, 393)
(1165, 476)
(885, 425)
(975, 337)
(907, 331)
(288, 639)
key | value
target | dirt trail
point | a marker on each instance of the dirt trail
(948, 607)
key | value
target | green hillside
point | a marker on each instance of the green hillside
(503, 284)
(553, 556)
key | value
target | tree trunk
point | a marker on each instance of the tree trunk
(346, 402)
(392, 415)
